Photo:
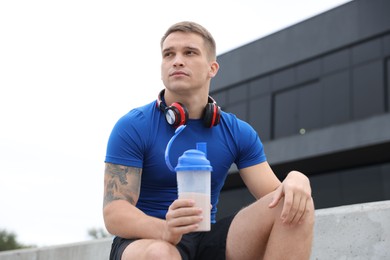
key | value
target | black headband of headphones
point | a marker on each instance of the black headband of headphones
(162, 105)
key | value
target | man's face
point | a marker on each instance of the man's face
(185, 62)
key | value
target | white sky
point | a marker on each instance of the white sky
(69, 70)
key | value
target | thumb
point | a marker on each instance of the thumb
(278, 195)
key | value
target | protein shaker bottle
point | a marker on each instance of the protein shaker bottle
(193, 174)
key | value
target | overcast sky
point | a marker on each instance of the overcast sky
(69, 70)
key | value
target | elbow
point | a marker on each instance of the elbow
(109, 218)
(120, 218)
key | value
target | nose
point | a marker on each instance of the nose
(178, 62)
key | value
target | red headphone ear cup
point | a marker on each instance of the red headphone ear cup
(176, 114)
(211, 115)
(218, 115)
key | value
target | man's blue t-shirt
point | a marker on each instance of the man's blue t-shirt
(139, 140)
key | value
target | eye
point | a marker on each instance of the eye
(167, 54)
(190, 53)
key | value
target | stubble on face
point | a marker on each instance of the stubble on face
(185, 62)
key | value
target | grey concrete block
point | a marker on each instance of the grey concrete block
(360, 231)
(95, 249)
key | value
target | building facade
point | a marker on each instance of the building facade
(318, 95)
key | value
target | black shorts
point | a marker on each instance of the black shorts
(196, 245)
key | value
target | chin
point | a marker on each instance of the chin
(178, 87)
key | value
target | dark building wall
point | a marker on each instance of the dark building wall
(318, 95)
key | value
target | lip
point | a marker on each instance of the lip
(178, 73)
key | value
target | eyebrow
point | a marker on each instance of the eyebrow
(192, 48)
(185, 48)
(167, 49)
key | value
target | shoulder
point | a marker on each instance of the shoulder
(247, 142)
(136, 123)
(236, 124)
(138, 115)
(134, 128)
(142, 111)
(243, 134)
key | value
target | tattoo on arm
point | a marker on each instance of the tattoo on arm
(121, 183)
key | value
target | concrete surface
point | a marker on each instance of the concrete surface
(93, 250)
(360, 231)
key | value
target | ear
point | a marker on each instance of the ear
(214, 67)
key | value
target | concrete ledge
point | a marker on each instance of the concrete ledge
(360, 231)
(94, 249)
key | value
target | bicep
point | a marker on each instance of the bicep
(121, 183)
(260, 179)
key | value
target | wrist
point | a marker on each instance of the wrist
(168, 236)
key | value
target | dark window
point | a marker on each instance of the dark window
(336, 99)
(368, 90)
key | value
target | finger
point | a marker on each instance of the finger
(183, 212)
(301, 213)
(179, 203)
(278, 195)
(305, 210)
(174, 231)
(298, 212)
(184, 229)
(183, 222)
(287, 206)
(181, 209)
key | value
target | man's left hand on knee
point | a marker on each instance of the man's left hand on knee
(298, 204)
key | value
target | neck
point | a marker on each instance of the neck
(195, 102)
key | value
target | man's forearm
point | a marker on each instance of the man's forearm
(124, 220)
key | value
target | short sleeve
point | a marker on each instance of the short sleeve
(251, 151)
(125, 145)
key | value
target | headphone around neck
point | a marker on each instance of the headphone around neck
(177, 114)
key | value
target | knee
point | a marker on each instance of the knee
(310, 213)
(161, 250)
(307, 213)
(306, 223)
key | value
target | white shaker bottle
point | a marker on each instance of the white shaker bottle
(193, 174)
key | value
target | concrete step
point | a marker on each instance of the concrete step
(360, 231)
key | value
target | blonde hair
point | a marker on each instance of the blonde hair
(192, 27)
